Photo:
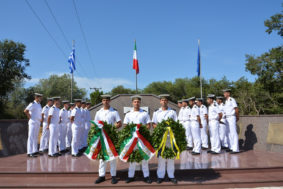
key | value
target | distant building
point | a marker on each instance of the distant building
(122, 103)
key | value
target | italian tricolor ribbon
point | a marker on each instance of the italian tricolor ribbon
(173, 143)
(129, 144)
(101, 141)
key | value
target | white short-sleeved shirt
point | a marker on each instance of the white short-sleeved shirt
(222, 110)
(213, 111)
(111, 116)
(202, 112)
(78, 116)
(230, 105)
(160, 115)
(54, 112)
(35, 110)
(64, 115)
(44, 111)
(180, 116)
(194, 113)
(137, 117)
(186, 114)
(83, 114)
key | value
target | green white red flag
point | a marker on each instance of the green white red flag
(135, 60)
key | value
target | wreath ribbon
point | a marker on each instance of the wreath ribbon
(101, 142)
(173, 143)
(136, 139)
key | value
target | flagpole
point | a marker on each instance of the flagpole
(136, 83)
(200, 72)
(72, 80)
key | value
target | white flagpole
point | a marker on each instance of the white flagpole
(200, 70)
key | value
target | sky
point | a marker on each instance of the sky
(166, 31)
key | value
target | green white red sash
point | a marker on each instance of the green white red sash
(129, 144)
(101, 142)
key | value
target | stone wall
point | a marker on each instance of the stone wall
(253, 132)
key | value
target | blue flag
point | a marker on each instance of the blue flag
(71, 61)
(198, 67)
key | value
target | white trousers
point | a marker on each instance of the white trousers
(33, 130)
(53, 139)
(81, 138)
(196, 136)
(69, 135)
(161, 168)
(76, 136)
(214, 136)
(86, 130)
(103, 165)
(62, 136)
(203, 134)
(132, 169)
(232, 134)
(44, 137)
(223, 134)
(189, 138)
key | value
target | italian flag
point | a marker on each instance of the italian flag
(135, 60)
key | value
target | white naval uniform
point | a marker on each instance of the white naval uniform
(86, 127)
(184, 118)
(33, 126)
(63, 129)
(229, 108)
(69, 130)
(76, 130)
(195, 128)
(213, 121)
(82, 128)
(137, 117)
(111, 116)
(158, 116)
(53, 129)
(223, 131)
(45, 132)
(203, 133)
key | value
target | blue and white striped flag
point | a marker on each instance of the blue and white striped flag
(71, 61)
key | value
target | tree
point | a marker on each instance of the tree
(121, 90)
(12, 69)
(56, 85)
(275, 23)
(95, 97)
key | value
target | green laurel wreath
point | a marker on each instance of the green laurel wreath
(126, 132)
(111, 132)
(179, 133)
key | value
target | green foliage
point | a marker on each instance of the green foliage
(95, 97)
(111, 132)
(179, 133)
(121, 90)
(275, 23)
(126, 133)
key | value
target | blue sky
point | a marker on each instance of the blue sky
(166, 33)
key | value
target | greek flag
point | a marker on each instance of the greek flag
(71, 61)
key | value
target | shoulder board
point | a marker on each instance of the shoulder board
(33, 102)
(63, 109)
(76, 108)
(156, 110)
(53, 106)
(127, 112)
(114, 109)
(173, 109)
(230, 99)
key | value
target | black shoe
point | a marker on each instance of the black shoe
(54, 155)
(75, 155)
(228, 150)
(40, 153)
(45, 151)
(209, 151)
(189, 148)
(99, 180)
(32, 155)
(214, 153)
(204, 148)
(114, 180)
(224, 148)
(232, 152)
(58, 154)
(173, 180)
(147, 180)
(130, 179)
(195, 153)
(62, 151)
(160, 180)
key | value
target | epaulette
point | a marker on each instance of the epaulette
(144, 110)
(76, 108)
(33, 102)
(230, 99)
(46, 106)
(63, 109)
(173, 109)
(53, 106)
(127, 112)
(114, 109)
(156, 110)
